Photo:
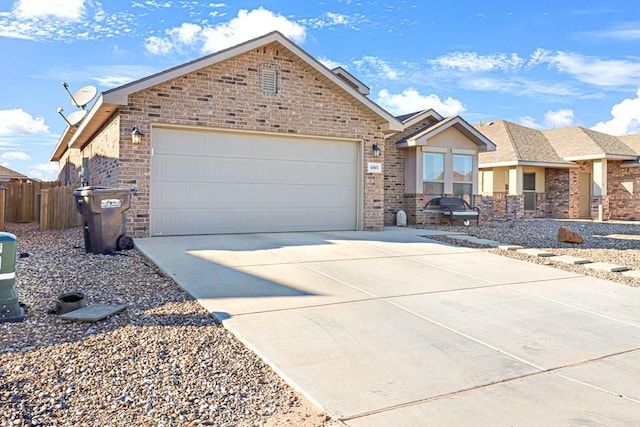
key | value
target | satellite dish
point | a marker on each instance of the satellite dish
(83, 96)
(76, 117)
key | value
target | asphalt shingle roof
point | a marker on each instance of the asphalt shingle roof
(577, 141)
(8, 173)
(632, 141)
(517, 143)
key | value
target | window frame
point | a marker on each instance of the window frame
(530, 194)
(462, 182)
(441, 182)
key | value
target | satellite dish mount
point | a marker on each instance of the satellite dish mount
(82, 96)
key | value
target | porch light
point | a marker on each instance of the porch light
(376, 150)
(136, 135)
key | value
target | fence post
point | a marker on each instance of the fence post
(3, 206)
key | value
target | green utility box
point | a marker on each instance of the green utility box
(10, 310)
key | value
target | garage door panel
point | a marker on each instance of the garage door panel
(247, 221)
(199, 195)
(220, 182)
(229, 145)
(215, 169)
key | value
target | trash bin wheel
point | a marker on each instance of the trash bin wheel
(124, 243)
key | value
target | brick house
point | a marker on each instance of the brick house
(259, 137)
(431, 157)
(9, 175)
(570, 172)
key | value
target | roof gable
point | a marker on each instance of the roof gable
(110, 100)
(420, 136)
(413, 118)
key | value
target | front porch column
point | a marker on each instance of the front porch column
(515, 181)
(600, 198)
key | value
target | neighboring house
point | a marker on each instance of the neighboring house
(261, 137)
(8, 175)
(561, 173)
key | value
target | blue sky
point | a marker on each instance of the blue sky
(544, 64)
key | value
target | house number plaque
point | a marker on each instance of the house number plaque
(374, 167)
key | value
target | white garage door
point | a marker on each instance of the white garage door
(205, 182)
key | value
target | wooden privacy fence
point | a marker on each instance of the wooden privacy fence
(48, 202)
(58, 208)
(22, 200)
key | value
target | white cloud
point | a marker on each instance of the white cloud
(245, 26)
(248, 25)
(19, 122)
(186, 33)
(589, 69)
(530, 122)
(177, 38)
(331, 19)
(158, 45)
(551, 120)
(380, 67)
(15, 155)
(71, 10)
(66, 20)
(411, 100)
(44, 171)
(519, 86)
(473, 62)
(558, 119)
(330, 64)
(628, 31)
(625, 118)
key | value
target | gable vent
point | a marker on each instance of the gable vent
(269, 81)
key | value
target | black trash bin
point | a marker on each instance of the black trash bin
(104, 218)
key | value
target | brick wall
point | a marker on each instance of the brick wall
(229, 95)
(557, 193)
(69, 167)
(103, 154)
(623, 191)
(395, 198)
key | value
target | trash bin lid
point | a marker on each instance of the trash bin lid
(88, 190)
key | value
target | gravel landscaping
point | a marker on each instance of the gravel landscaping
(611, 242)
(164, 361)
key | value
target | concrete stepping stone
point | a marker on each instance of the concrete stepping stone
(473, 239)
(486, 242)
(535, 252)
(568, 259)
(93, 312)
(461, 237)
(605, 266)
(510, 247)
(632, 273)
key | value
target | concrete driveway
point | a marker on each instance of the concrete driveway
(389, 328)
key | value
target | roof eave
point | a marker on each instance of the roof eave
(601, 156)
(62, 144)
(550, 165)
